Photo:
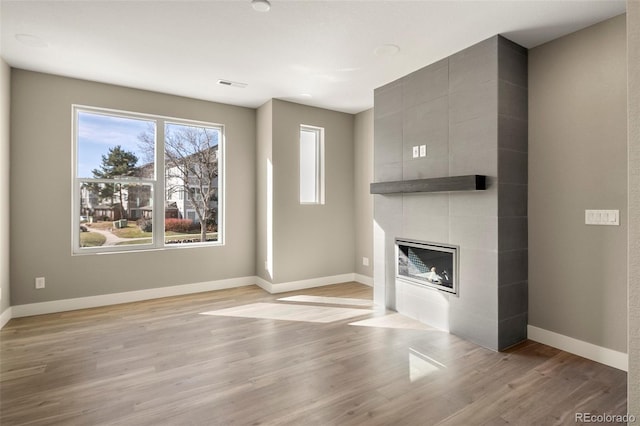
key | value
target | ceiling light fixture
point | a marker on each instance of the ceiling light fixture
(261, 5)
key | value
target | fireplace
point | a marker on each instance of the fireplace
(471, 111)
(428, 264)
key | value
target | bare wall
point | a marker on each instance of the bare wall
(264, 190)
(41, 194)
(363, 176)
(312, 241)
(5, 96)
(633, 103)
(578, 161)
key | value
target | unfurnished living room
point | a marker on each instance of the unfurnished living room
(319, 212)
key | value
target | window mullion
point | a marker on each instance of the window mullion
(75, 217)
(159, 192)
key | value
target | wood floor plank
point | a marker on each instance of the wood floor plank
(308, 362)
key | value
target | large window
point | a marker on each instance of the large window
(311, 165)
(145, 182)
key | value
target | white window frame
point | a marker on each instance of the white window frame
(157, 184)
(319, 164)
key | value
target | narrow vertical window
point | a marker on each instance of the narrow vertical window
(311, 165)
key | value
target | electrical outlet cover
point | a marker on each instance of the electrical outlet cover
(40, 282)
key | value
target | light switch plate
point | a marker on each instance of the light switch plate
(423, 150)
(602, 217)
(416, 151)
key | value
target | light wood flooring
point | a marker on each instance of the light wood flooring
(323, 356)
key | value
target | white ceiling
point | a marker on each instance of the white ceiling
(317, 53)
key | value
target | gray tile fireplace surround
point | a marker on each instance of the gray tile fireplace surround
(470, 109)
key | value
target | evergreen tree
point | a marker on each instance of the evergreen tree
(117, 164)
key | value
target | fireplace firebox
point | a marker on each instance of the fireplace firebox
(428, 264)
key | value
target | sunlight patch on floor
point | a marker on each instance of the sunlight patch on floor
(393, 321)
(289, 312)
(421, 365)
(328, 300)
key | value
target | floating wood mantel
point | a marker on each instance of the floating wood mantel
(441, 184)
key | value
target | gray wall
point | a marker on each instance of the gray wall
(41, 200)
(512, 193)
(264, 144)
(633, 105)
(578, 161)
(5, 91)
(311, 241)
(363, 176)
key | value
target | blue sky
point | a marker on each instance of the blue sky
(97, 133)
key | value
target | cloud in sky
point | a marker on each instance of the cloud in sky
(99, 132)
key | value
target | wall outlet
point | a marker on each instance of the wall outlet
(423, 150)
(365, 261)
(416, 151)
(40, 282)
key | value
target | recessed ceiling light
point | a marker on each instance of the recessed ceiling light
(305, 95)
(261, 5)
(387, 50)
(31, 40)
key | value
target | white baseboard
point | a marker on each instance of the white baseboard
(6, 316)
(587, 350)
(264, 284)
(55, 306)
(363, 279)
(126, 297)
(303, 284)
